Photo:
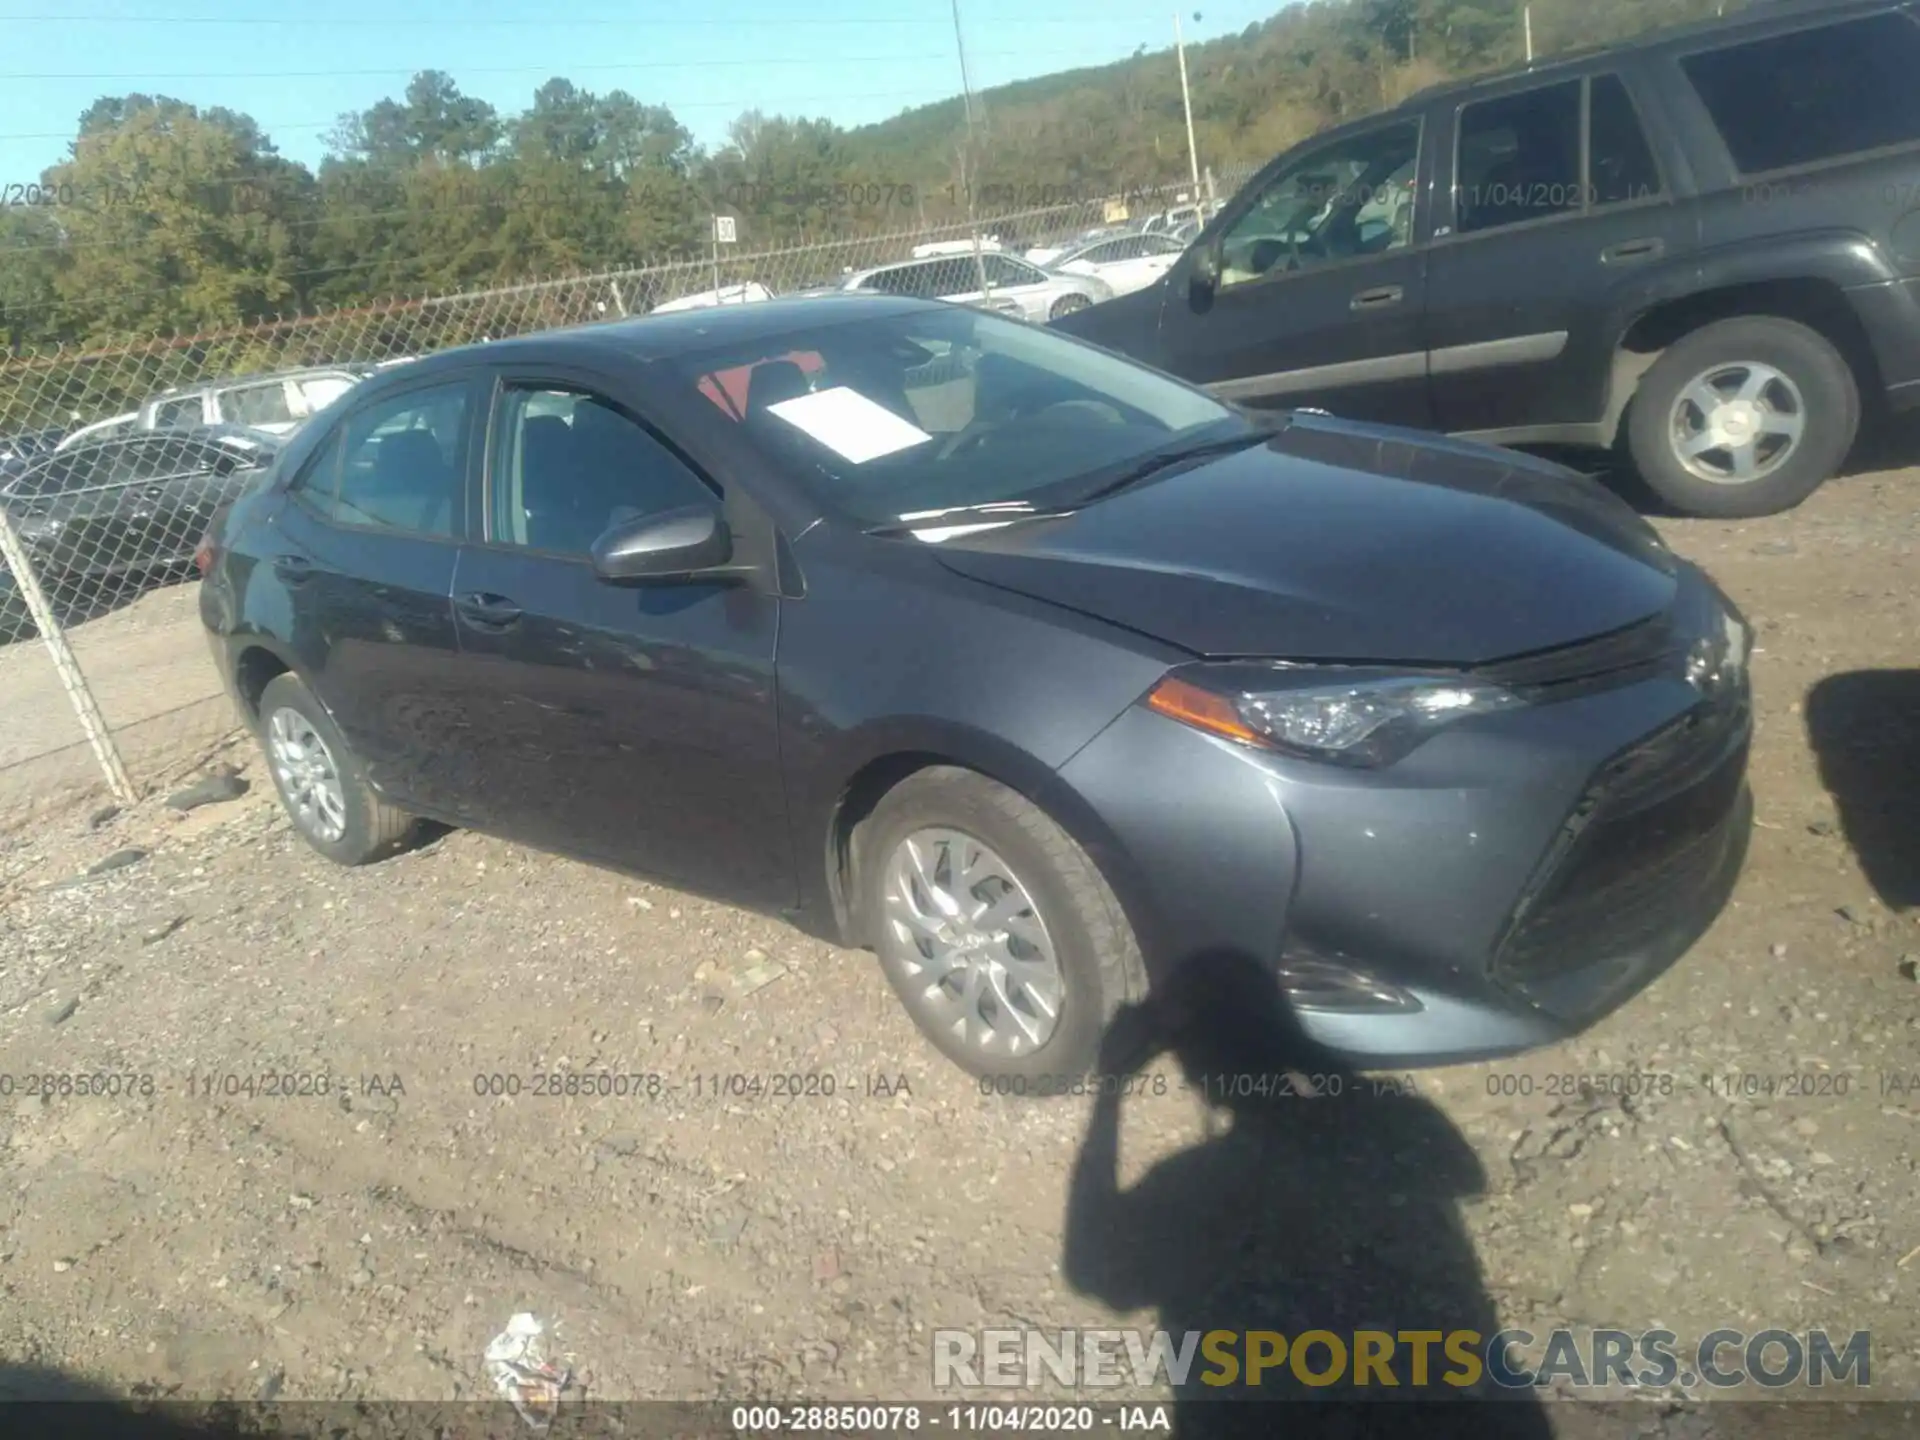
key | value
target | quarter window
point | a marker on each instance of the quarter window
(1813, 94)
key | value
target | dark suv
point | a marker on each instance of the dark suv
(1702, 248)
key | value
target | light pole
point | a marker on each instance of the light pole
(966, 170)
(1186, 101)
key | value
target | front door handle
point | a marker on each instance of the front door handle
(294, 569)
(492, 612)
(1375, 299)
(1650, 248)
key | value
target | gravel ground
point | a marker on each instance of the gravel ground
(368, 1242)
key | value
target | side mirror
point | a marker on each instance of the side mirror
(679, 545)
(1203, 278)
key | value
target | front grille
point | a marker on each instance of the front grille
(1635, 858)
(1617, 658)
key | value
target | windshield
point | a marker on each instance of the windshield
(939, 409)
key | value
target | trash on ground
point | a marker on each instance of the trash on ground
(210, 791)
(518, 1367)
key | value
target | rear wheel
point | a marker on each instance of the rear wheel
(996, 930)
(1744, 417)
(321, 782)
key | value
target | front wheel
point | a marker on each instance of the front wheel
(1067, 305)
(997, 931)
(321, 782)
(1744, 417)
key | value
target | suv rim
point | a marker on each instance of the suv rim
(967, 935)
(307, 774)
(1737, 423)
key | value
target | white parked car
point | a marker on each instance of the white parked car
(1014, 287)
(929, 249)
(1126, 262)
(744, 294)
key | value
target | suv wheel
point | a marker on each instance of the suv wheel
(1744, 417)
(1067, 304)
(321, 783)
(996, 930)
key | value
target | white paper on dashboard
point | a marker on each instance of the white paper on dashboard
(849, 424)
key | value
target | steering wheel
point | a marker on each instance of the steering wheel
(967, 437)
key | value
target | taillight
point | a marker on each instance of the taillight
(203, 555)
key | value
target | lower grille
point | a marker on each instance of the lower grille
(1639, 854)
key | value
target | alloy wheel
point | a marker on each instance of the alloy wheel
(308, 776)
(1737, 423)
(966, 934)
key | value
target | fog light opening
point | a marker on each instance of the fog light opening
(1312, 983)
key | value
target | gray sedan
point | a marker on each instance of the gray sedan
(1013, 286)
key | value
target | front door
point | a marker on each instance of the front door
(625, 723)
(363, 560)
(1545, 260)
(1321, 286)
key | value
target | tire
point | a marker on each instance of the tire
(1068, 305)
(1097, 958)
(1814, 373)
(367, 827)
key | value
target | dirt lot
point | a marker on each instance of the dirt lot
(370, 1241)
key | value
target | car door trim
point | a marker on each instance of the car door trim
(1487, 354)
(1411, 365)
(1408, 365)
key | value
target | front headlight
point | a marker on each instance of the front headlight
(1366, 718)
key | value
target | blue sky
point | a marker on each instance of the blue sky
(295, 67)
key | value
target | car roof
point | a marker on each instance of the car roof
(656, 337)
(1756, 14)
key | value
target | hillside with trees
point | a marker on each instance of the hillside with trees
(169, 217)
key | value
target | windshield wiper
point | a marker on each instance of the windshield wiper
(987, 512)
(1166, 460)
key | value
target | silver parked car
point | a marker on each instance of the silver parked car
(1014, 286)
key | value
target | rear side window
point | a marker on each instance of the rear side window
(1814, 94)
(1620, 162)
(1519, 157)
(397, 465)
(257, 405)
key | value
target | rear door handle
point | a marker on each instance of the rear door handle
(1647, 249)
(1374, 299)
(294, 569)
(491, 612)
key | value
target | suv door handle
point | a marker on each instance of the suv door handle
(294, 569)
(1646, 249)
(493, 612)
(1374, 299)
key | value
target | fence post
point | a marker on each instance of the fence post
(14, 553)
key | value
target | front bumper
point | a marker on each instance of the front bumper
(1514, 879)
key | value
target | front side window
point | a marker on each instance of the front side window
(398, 464)
(1813, 94)
(569, 465)
(1326, 207)
(957, 407)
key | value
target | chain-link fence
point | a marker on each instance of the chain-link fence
(114, 460)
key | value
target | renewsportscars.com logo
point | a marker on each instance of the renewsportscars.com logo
(1410, 1359)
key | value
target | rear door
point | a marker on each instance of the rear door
(1561, 220)
(1320, 296)
(363, 558)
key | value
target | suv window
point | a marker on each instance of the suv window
(1813, 94)
(1620, 162)
(1519, 158)
(257, 405)
(1320, 209)
(397, 464)
(568, 465)
(185, 412)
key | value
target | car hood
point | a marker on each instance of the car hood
(1337, 541)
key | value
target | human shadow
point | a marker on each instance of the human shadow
(37, 1402)
(1324, 1202)
(1864, 727)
